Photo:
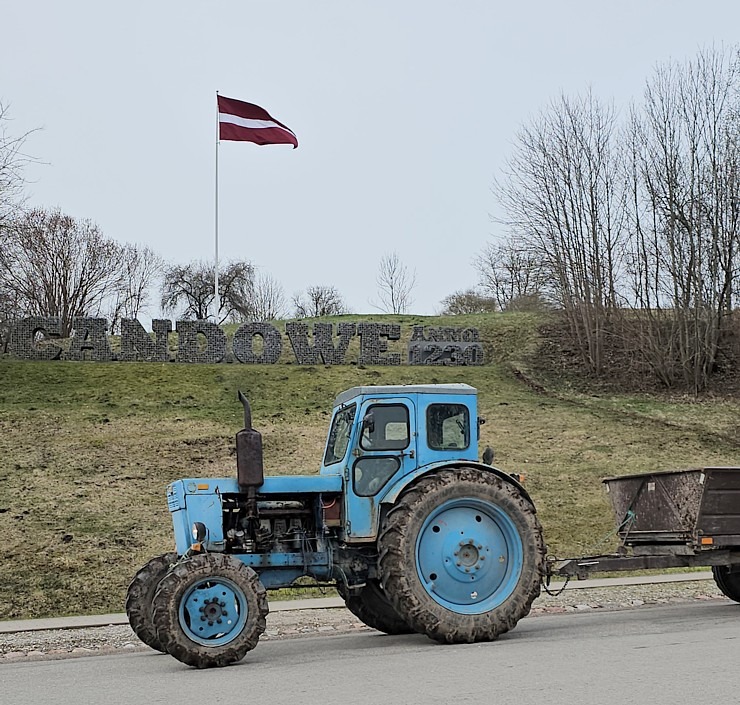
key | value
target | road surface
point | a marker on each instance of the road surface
(686, 653)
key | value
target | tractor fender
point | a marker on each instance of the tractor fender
(393, 491)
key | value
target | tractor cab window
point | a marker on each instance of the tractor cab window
(385, 427)
(372, 472)
(448, 426)
(341, 429)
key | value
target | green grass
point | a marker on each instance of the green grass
(86, 450)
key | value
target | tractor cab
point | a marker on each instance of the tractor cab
(381, 437)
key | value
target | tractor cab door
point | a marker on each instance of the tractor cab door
(384, 448)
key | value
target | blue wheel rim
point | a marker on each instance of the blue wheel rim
(213, 612)
(469, 556)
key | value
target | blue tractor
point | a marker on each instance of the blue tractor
(414, 531)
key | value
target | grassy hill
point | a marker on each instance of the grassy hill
(86, 450)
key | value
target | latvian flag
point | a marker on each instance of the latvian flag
(244, 122)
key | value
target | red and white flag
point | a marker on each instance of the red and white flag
(245, 122)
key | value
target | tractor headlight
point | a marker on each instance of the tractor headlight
(198, 531)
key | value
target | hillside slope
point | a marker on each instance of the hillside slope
(87, 449)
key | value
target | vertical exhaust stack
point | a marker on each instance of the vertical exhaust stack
(249, 468)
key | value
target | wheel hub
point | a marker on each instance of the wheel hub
(213, 612)
(468, 555)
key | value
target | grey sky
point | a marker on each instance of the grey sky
(404, 112)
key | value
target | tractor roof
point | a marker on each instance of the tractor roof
(403, 390)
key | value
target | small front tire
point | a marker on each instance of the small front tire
(140, 595)
(210, 610)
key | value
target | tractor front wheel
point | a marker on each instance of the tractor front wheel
(728, 581)
(371, 606)
(140, 595)
(210, 610)
(462, 555)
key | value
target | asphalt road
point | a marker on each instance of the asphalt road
(686, 653)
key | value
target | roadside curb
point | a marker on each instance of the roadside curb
(105, 620)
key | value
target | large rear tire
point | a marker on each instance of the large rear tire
(210, 610)
(462, 555)
(371, 606)
(140, 595)
(728, 581)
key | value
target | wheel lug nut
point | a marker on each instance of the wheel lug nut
(203, 618)
(480, 547)
(224, 613)
(483, 558)
(467, 570)
(223, 604)
(218, 621)
(458, 564)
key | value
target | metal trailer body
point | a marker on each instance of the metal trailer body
(678, 518)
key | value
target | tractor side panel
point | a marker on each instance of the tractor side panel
(203, 505)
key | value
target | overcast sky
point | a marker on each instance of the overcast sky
(405, 112)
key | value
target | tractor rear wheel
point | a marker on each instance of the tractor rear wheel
(728, 581)
(140, 595)
(210, 610)
(462, 555)
(372, 607)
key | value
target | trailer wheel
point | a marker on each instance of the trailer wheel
(728, 581)
(461, 555)
(372, 607)
(140, 595)
(210, 610)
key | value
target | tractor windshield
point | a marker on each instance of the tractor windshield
(341, 429)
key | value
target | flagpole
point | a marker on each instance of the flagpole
(215, 285)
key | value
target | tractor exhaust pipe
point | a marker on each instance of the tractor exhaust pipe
(247, 411)
(249, 467)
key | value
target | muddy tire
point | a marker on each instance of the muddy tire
(462, 555)
(140, 595)
(372, 607)
(210, 610)
(728, 581)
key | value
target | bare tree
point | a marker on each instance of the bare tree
(140, 267)
(268, 298)
(12, 162)
(189, 289)
(319, 301)
(563, 196)
(685, 210)
(468, 301)
(395, 283)
(511, 272)
(55, 265)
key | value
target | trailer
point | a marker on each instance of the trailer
(673, 519)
